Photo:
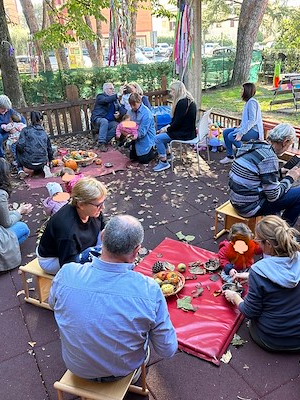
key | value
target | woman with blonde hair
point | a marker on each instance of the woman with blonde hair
(182, 126)
(73, 233)
(272, 302)
(136, 88)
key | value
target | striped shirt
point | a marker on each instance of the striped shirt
(254, 178)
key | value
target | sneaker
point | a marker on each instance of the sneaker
(103, 147)
(226, 160)
(139, 370)
(47, 172)
(161, 166)
(22, 174)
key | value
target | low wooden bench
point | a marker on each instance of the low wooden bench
(231, 217)
(43, 283)
(89, 390)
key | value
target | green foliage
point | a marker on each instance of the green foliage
(50, 87)
(291, 63)
(20, 38)
(289, 31)
(166, 39)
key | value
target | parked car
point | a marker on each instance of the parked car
(141, 58)
(223, 51)
(208, 48)
(162, 49)
(148, 51)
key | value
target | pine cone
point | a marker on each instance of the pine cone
(158, 266)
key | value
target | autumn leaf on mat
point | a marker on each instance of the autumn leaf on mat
(186, 304)
(226, 357)
(198, 291)
(215, 277)
(197, 270)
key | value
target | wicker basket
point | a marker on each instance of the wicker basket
(85, 161)
(179, 285)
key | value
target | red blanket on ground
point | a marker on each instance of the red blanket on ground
(119, 161)
(207, 332)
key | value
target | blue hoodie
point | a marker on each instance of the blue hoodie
(273, 301)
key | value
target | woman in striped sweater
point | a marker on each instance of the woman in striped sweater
(256, 187)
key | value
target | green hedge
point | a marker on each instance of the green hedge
(291, 63)
(49, 87)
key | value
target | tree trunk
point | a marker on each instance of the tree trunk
(8, 64)
(99, 42)
(32, 23)
(252, 12)
(60, 53)
(192, 77)
(90, 45)
(132, 32)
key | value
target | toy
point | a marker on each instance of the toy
(215, 138)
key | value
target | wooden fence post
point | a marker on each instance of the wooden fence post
(75, 115)
(164, 86)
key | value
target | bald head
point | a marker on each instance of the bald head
(122, 235)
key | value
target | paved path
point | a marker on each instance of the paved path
(166, 203)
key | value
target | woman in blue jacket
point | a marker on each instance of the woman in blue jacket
(251, 127)
(272, 303)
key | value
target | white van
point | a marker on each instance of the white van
(162, 49)
(208, 48)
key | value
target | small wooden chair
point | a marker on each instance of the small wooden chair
(43, 282)
(232, 217)
(89, 390)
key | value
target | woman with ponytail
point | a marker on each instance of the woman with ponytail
(34, 149)
(272, 302)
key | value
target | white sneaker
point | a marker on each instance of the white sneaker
(47, 172)
(226, 160)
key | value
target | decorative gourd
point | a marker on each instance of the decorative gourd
(71, 164)
(55, 163)
(98, 161)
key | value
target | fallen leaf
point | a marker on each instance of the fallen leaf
(226, 357)
(197, 270)
(32, 344)
(180, 235)
(215, 277)
(198, 291)
(237, 340)
(246, 366)
(217, 293)
(186, 304)
(189, 238)
(20, 292)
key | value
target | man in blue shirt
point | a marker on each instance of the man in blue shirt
(142, 147)
(106, 112)
(107, 313)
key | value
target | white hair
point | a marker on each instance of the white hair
(106, 85)
(122, 234)
(282, 132)
(5, 102)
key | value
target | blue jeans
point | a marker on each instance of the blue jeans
(289, 203)
(21, 230)
(107, 129)
(3, 137)
(230, 135)
(161, 141)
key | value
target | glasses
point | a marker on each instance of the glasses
(100, 205)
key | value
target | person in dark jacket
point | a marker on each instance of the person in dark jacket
(106, 113)
(74, 231)
(272, 302)
(6, 112)
(34, 149)
(183, 123)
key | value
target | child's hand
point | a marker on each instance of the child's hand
(241, 276)
(25, 208)
(233, 272)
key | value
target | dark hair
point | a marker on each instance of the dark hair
(16, 117)
(36, 117)
(135, 98)
(5, 183)
(127, 89)
(249, 91)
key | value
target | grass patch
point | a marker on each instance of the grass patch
(228, 100)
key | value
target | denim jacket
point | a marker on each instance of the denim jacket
(252, 118)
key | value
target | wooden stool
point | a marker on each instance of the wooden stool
(43, 281)
(232, 217)
(89, 390)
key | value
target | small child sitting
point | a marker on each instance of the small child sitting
(69, 178)
(57, 198)
(236, 254)
(13, 128)
(127, 130)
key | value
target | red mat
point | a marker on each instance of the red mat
(207, 332)
(119, 161)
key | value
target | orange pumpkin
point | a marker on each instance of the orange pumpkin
(173, 277)
(71, 164)
(55, 163)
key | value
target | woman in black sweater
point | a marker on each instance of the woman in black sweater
(183, 124)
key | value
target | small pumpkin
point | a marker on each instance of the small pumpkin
(71, 164)
(98, 161)
(55, 163)
(172, 277)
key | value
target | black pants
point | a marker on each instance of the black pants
(145, 158)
